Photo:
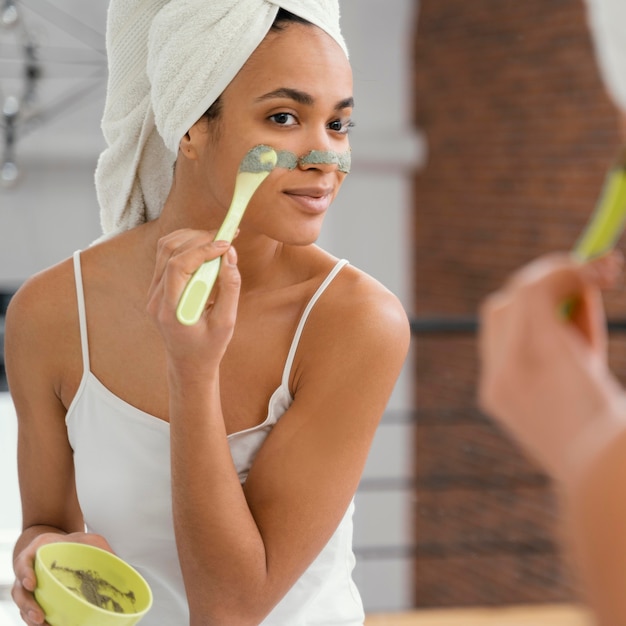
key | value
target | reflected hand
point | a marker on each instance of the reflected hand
(544, 376)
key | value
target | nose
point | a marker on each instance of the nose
(324, 160)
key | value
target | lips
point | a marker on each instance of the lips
(311, 199)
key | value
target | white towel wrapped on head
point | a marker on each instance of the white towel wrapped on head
(168, 62)
(607, 20)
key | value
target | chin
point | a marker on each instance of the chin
(301, 234)
(309, 236)
(300, 241)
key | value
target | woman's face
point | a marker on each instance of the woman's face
(294, 94)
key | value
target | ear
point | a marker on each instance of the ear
(191, 145)
(187, 146)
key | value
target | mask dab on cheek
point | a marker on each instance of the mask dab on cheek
(343, 160)
(287, 160)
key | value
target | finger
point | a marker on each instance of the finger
(500, 336)
(581, 284)
(539, 269)
(606, 270)
(564, 276)
(24, 568)
(180, 243)
(228, 287)
(524, 312)
(524, 321)
(26, 580)
(28, 621)
(30, 611)
(589, 318)
(491, 314)
(182, 266)
(176, 264)
(173, 244)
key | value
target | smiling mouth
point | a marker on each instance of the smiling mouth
(311, 192)
(311, 200)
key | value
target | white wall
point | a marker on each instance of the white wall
(371, 225)
(53, 212)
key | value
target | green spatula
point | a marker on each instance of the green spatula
(607, 221)
(254, 169)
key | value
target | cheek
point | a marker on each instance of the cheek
(216, 190)
(263, 203)
(218, 179)
(341, 177)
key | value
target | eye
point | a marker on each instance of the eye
(341, 126)
(283, 119)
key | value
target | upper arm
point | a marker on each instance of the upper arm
(33, 341)
(307, 471)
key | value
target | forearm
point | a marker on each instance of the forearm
(595, 516)
(221, 550)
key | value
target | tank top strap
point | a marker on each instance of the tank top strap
(296, 339)
(82, 314)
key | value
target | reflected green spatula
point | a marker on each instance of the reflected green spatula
(607, 221)
(254, 169)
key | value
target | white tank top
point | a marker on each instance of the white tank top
(122, 468)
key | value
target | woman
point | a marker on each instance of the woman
(219, 459)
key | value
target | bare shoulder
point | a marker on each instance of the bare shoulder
(362, 306)
(47, 301)
(41, 322)
(42, 298)
(359, 319)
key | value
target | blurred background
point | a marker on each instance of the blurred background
(483, 135)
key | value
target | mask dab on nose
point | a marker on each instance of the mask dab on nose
(290, 161)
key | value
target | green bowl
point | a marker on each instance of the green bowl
(80, 585)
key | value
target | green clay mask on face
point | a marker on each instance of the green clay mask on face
(256, 160)
(287, 160)
(290, 161)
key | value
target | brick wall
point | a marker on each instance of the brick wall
(520, 132)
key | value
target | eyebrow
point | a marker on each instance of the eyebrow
(302, 97)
